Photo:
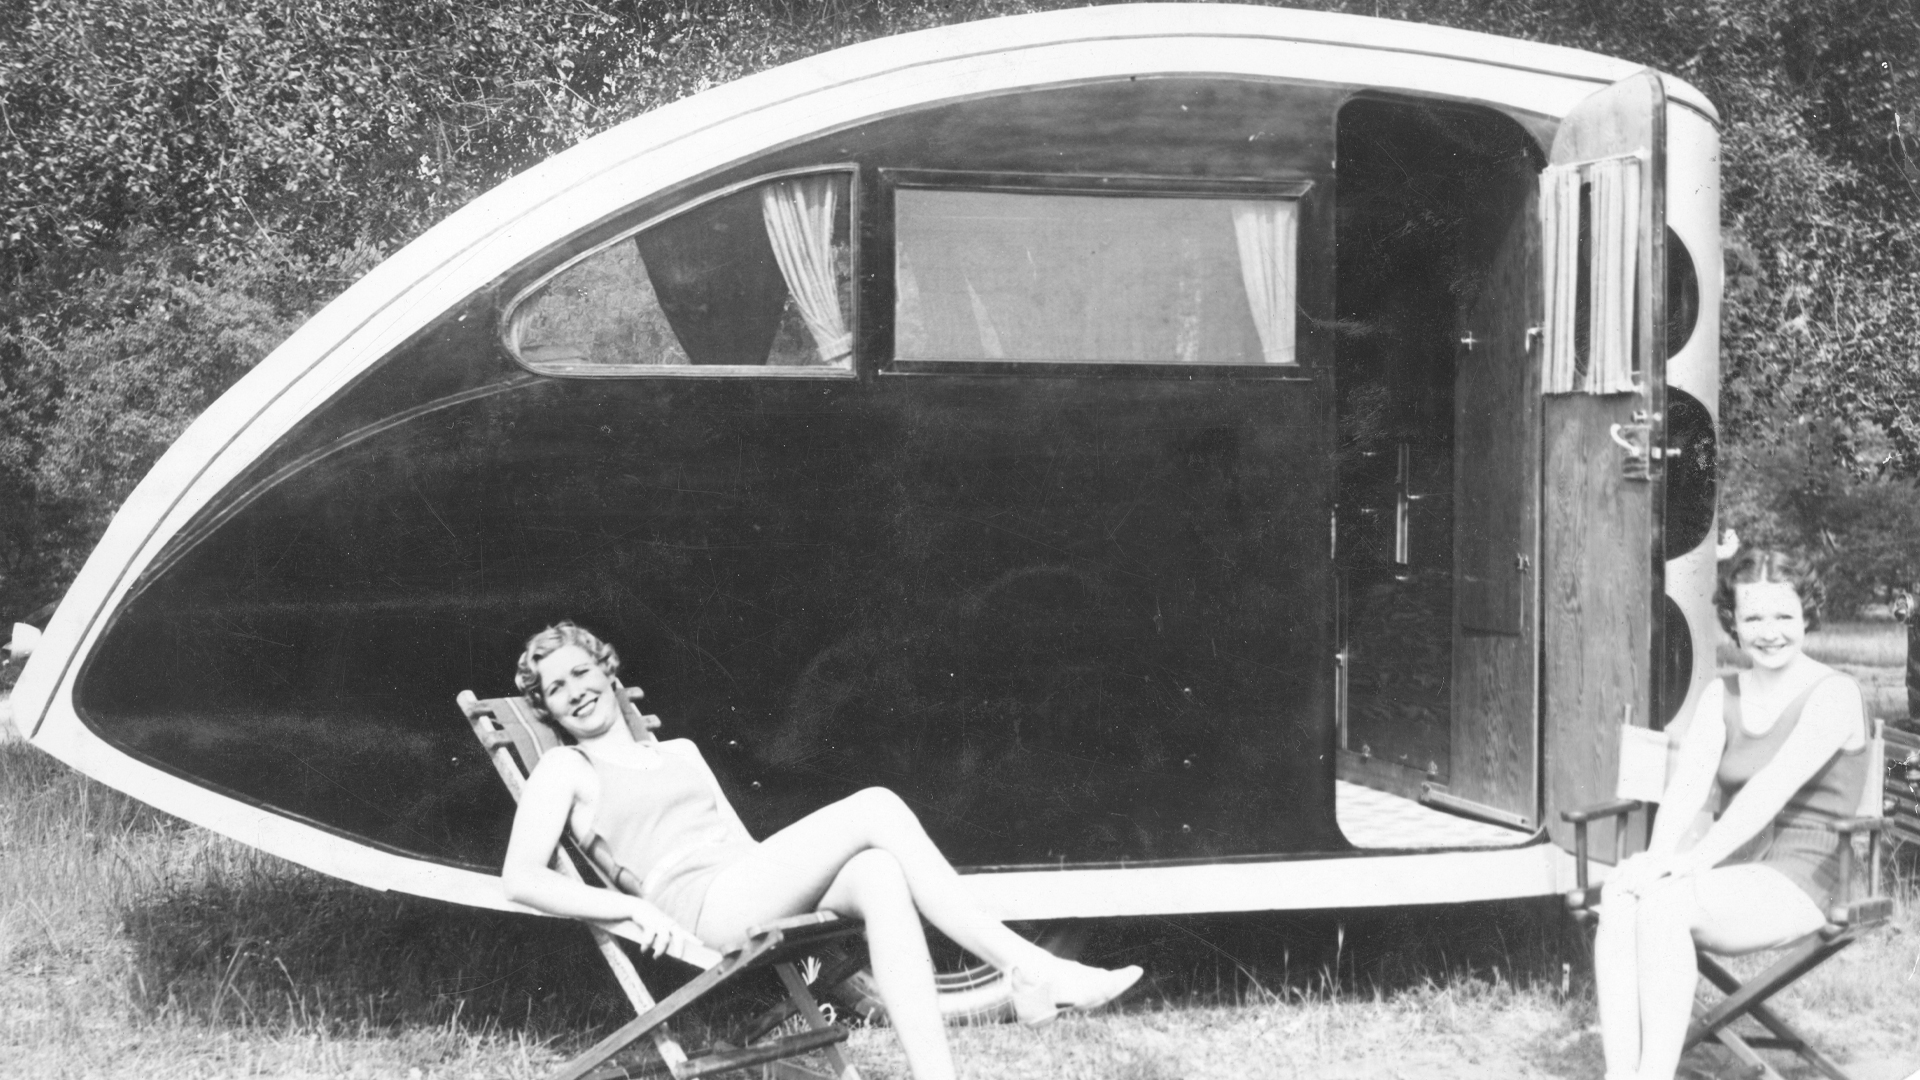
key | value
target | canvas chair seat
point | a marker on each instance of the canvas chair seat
(515, 738)
(1849, 918)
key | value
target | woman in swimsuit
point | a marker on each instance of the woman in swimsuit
(1784, 739)
(663, 814)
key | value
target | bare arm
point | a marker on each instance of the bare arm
(1830, 720)
(527, 876)
(1692, 781)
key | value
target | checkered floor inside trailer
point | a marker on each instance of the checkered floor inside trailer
(1375, 819)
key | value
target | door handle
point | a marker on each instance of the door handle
(1636, 443)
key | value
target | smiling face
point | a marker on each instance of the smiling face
(1769, 623)
(578, 692)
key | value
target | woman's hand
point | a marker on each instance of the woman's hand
(658, 934)
(1637, 873)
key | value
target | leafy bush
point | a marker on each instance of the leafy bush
(1798, 493)
(180, 178)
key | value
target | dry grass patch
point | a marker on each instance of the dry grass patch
(1456, 1033)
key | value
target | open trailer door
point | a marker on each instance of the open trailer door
(1495, 736)
(1602, 203)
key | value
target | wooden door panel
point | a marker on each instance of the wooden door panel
(1601, 562)
(1596, 617)
(1495, 747)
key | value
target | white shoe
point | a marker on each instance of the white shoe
(1038, 1000)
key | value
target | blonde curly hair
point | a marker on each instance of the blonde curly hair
(526, 673)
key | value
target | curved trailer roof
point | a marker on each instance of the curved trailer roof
(680, 144)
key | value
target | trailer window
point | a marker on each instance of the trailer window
(1080, 278)
(757, 279)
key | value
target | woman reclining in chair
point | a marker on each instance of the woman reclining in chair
(662, 812)
(1785, 740)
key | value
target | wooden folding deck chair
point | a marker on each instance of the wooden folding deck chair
(515, 737)
(1847, 920)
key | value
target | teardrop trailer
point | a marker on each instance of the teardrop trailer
(1206, 459)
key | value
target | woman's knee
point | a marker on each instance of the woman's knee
(880, 807)
(1667, 903)
(874, 875)
(1617, 905)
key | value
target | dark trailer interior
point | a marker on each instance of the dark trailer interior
(1100, 467)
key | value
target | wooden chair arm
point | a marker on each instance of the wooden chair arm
(798, 922)
(1613, 808)
(1580, 901)
(1849, 826)
(1861, 913)
(805, 933)
(1846, 828)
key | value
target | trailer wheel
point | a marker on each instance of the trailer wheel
(971, 992)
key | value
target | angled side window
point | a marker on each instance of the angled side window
(757, 280)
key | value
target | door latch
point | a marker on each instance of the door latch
(1635, 441)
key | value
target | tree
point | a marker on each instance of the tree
(181, 181)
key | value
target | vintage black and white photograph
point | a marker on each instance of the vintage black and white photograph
(917, 539)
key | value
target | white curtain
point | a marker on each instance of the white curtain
(1267, 235)
(1559, 257)
(799, 219)
(1616, 246)
(1613, 241)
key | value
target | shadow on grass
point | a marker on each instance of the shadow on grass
(212, 932)
(1292, 956)
(221, 933)
(206, 929)
(285, 946)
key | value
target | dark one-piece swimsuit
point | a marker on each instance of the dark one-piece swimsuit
(1800, 841)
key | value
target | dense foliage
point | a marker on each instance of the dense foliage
(182, 181)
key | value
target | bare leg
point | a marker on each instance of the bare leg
(1616, 980)
(1666, 973)
(872, 887)
(792, 871)
(1729, 910)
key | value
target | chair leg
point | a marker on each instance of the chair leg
(829, 978)
(652, 1022)
(821, 1036)
(589, 1065)
(1745, 1054)
(809, 1010)
(1750, 1000)
(1741, 999)
(1785, 1038)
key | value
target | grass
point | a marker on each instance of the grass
(130, 940)
(132, 944)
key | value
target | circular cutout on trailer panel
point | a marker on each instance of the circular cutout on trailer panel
(1676, 663)
(1683, 293)
(1692, 466)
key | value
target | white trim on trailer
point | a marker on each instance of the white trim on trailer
(1358, 881)
(1693, 213)
(680, 144)
(1355, 880)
